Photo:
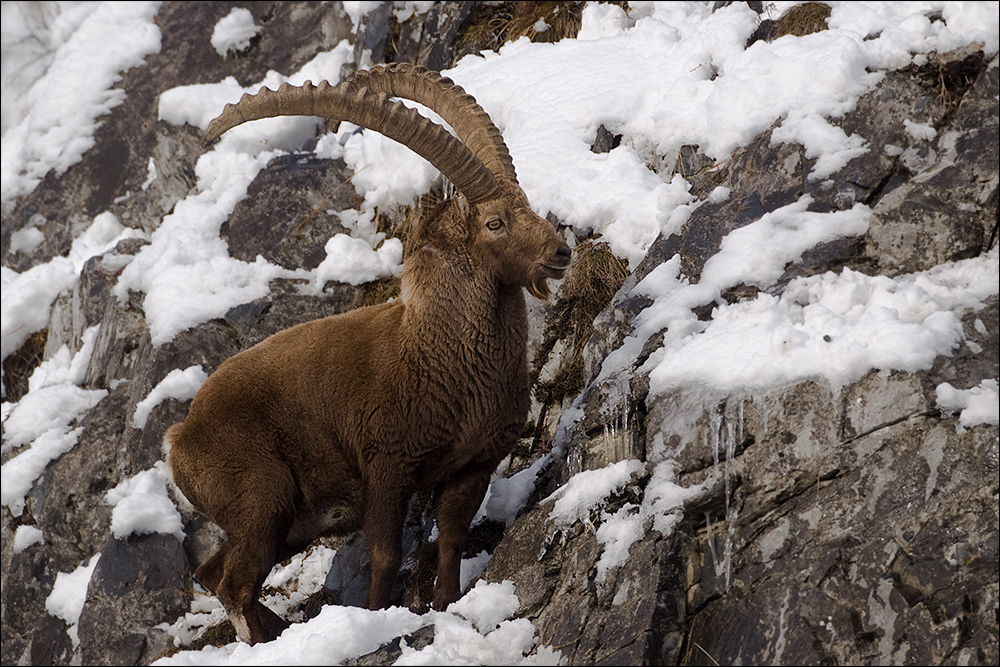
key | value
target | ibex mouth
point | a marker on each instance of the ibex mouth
(556, 271)
(539, 287)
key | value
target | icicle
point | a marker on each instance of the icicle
(616, 418)
(711, 542)
(714, 429)
(727, 549)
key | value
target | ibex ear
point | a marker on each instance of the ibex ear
(463, 205)
(445, 226)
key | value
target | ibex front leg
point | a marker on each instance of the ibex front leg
(383, 528)
(457, 503)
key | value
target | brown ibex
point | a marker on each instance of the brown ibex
(331, 426)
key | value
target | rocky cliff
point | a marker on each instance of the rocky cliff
(810, 521)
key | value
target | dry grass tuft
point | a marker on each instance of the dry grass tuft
(492, 25)
(561, 20)
(595, 276)
(950, 78)
(19, 366)
(216, 635)
(804, 19)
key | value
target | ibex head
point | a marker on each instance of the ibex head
(491, 221)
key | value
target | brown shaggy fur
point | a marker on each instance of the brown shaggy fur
(331, 426)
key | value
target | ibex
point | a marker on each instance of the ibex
(331, 426)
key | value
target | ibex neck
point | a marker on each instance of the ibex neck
(458, 310)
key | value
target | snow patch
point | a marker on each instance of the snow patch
(181, 385)
(834, 327)
(26, 240)
(586, 490)
(69, 594)
(354, 261)
(25, 536)
(234, 31)
(27, 297)
(61, 110)
(43, 418)
(976, 405)
(141, 505)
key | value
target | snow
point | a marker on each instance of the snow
(471, 568)
(141, 505)
(616, 534)
(486, 606)
(474, 631)
(336, 634)
(288, 587)
(32, 32)
(69, 594)
(406, 9)
(703, 88)
(757, 254)
(44, 418)
(206, 611)
(904, 31)
(574, 500)
(976, 405)
(25, 536)
(234, 31)
(26, 239)
(354, 261)
(27, 297)
(833, 327)
(358, 9)
(150, 174)
(588, 491)
(306, 571)
(186, 272)
(661, 75)
(506, 495)
(179, 384)
(61, 110)
(921, 131)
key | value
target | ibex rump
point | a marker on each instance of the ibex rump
(334, 424)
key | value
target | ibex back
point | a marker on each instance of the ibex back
(331, 426)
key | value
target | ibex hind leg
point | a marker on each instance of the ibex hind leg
(247, 563)
(256, 533)
(209, 573)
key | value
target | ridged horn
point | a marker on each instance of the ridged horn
(375, 111)
(450, 101)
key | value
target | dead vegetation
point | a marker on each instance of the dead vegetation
(492, 25)
(594, 278)
(19, 366)
(948, 77)
(802, 20)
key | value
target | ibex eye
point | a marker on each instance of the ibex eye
(494, 224)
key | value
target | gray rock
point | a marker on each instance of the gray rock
(847, 526)
(841, 527)
(138, 582)
(290, 211)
